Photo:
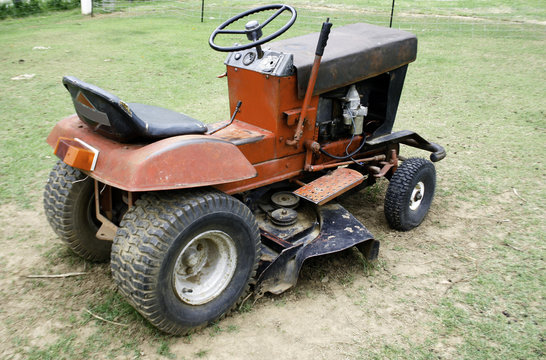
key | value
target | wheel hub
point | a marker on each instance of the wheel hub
(417, 195)
(191, 258)
(204, 267)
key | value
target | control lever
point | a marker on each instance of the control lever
(237, 108)
(323, 39)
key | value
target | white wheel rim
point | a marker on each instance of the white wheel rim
(204, 267)
(417, 195)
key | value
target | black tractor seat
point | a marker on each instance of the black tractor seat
(127, 122)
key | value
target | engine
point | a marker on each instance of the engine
(341, 115)
(358, 109)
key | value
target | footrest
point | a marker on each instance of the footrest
(329, 186)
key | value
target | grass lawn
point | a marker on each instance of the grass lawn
(480, 93)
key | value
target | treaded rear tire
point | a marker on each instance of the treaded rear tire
(398, 199)
(152, 236)
(69, 208)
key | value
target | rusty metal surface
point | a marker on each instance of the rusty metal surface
(358, 160)
(306, 100)
(269, 172)
(339, 230)
(355, 52)
(339, 148)
(265, 99)
(386, 166)
(177, 162)
(255, 143)
(239, 133)
(329, 186)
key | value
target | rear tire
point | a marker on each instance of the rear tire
(69, 203)
(185, 259)
(410, 194)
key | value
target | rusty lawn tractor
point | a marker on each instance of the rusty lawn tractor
(194, 217)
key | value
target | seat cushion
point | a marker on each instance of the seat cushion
(110, 116)
(161, 122)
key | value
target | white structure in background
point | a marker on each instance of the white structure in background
(87, 7)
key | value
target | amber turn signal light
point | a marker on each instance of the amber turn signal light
(76, 153)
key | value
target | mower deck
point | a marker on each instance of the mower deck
(335, 229)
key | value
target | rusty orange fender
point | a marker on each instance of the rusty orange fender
(178, 162)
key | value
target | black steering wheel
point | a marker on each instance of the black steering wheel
(253, 29)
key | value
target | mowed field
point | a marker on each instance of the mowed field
(468, 283)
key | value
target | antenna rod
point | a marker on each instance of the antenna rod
(392, 12)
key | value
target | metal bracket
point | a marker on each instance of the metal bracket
(108, 229)
(387, 165)
(410, 138)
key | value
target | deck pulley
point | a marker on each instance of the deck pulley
(285, 199)
(284, 217)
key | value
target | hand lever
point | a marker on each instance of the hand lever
(323, 39)
(237, 107)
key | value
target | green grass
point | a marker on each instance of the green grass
(480, 93)
(164, 350)
(503, 10)
(61, 349)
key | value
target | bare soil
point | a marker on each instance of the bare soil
(340, 308)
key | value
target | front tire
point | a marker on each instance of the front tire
(185, 259)
(410, 194)
(69, 203)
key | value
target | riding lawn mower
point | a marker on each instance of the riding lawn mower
(194, 218)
